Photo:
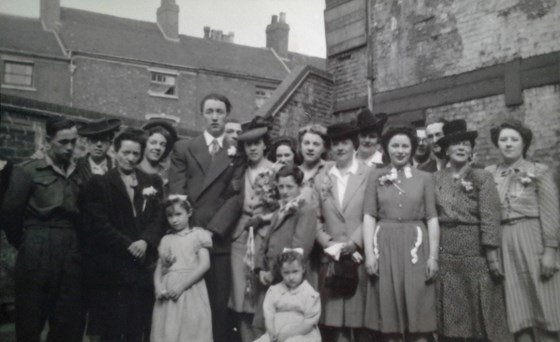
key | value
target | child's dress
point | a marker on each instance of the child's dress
(289, 308)
(189, 318)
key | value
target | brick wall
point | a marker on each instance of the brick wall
(416, 41)
(540, 112)
(20, 135)
(349, 72)
(122, 89)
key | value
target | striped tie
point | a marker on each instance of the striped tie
(214, 147)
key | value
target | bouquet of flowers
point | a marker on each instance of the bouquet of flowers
(265, 188)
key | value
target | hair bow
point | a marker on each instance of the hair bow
(297, 250)
(177, 196)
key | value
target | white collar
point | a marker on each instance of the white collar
(209, 138)
(352, 170)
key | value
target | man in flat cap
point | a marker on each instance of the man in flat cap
(99, 135)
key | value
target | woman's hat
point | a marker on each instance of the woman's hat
(342, 130)
(524, 131)
(254, 129)
(99, 127)
(455, 131)
(168, 127)
(367, 121)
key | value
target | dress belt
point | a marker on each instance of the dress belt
(511, 221)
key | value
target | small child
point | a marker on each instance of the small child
(292, 307)
(182, 310)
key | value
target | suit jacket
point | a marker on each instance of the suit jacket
(212, 185)
(110, 227)
(293, 230)
(341, 224)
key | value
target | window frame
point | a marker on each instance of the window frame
(22, 62)
(164, 73)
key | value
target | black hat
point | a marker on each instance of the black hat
(368, 121)
(455, 131)
(524, 131)
(254, 129)
(168, 127)
(99, 127)
(342, 130)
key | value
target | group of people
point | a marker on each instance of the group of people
(359, 231)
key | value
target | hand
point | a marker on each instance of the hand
(256, 222)
(348, 248)
(138, 248)
(495, 269)
(357, 257)
(548, 263)
(265, 277)
(432, 268)
(175, 292)
(162, 295)
(372, 266)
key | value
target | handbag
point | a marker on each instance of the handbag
(342, 277)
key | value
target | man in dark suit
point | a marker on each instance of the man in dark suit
(203, 169)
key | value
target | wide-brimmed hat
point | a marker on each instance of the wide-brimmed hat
(342, 130)
(524, 131)
(254, 129)
(455, 131)
(99, 127)
(368, 121)
(166, 126)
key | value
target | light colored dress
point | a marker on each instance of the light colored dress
(470, 303)
(402, 300)
(530, 221)
(189, 318)
(289, 308)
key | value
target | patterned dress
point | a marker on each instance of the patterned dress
(530, 221)
(188, 318)
(470, 303)
(406, 301)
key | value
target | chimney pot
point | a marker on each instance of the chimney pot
(282, 17)
(274, 19)
(207, 32)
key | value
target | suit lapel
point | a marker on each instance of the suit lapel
(335, 196)
(199, 150)
(354, 182)
(117, 183)
(220, 162)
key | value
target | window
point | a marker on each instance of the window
(163, 84)
(261, 95)
(18, 74)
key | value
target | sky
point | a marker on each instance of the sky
(246, 18)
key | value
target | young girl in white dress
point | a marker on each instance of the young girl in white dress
(182, 310)
(291, 307)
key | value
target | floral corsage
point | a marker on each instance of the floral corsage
(526, 177)
(232, 151)
(391, 178)
(326, 187)
(149, 192)
(293, 205)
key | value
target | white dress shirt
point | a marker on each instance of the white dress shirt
(342, 178)
(210, 138)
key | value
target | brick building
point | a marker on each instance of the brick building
(481, 60)
(91, 62)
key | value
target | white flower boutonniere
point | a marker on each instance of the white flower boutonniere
(326, 187)
(232, 151)
(149, 192)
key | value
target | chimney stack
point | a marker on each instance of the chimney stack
(168, 19)
(206, 32)
(50, 14)
(277, 34)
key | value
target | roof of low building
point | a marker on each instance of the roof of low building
(20, 34)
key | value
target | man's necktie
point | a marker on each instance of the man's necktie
(214, 147)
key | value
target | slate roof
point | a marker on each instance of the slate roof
(27, 35)
(106, 35)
